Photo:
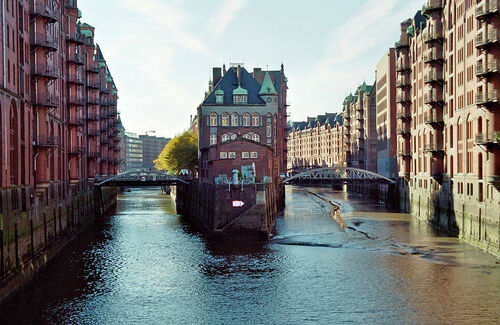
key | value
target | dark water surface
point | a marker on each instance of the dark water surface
(144, 265)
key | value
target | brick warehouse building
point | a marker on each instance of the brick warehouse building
(57, 99)
(242, 121)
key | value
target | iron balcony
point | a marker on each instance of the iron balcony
(93, 68)
(76, 79)
(76, 121)
(41, 40)
(484, 40)
(403, 66)
(433, 98)
(434, 76)
(434, 148)
(487, 99)
(404, 153)
(48, 100)
(93, 154)
(76, 58)
(77, 150)
(486, 9)
(488, 139)
(39, 70)
(403, 115)
(47, 141)
(404, 131)
(483, 70)
(433, 35)
(433, 120)
(76, 100)
(40, 9)
(432, 5)
(76, 37)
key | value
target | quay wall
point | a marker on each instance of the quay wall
(36, 224)
(208, 207)
(476, 221)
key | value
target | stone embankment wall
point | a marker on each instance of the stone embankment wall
(476, 222)
(35, 225)
(209, 208)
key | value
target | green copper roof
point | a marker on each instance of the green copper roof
(350, 98)
(219, 92)
(102, 64)
(86, 32)
(87, 25)
(240, 91)
(410, 30)
(267, 86)
(311, 124)
(363, 87)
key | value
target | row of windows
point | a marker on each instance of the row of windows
(244, 155)
(226, 137)
(234, 119)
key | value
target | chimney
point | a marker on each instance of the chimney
(224, 69)
(216, 75)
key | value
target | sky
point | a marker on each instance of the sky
(161, 52)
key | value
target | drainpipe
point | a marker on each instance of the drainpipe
(3, 39)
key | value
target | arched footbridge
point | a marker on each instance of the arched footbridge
(143, 178)
(336, 175)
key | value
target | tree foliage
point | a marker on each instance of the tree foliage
(179, 153)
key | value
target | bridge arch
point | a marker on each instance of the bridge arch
(339, 174)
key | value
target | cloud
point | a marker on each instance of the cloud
(352, 51)
(226, 13)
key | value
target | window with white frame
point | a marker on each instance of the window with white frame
(246, 119)
(213, 139)
(213, 119)
(247, 136)
(223, 155)
(268, 130)
(235, 119)
(255, 119)
(253, 154)
(225, 137)
(225, 119)
(233, 136)
(255, 137)
(231, 155)
(245, 155)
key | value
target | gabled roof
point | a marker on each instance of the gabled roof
(229, 82)
(267, 86)
(240, 91)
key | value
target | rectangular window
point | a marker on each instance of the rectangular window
(223, 155)
(245, 155)
(253, 155)
(231, 155)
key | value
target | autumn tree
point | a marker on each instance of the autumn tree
(179, 153)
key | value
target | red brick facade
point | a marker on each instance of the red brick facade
(57, 98)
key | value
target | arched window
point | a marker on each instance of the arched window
(225, 137)
(233, 136)
(255, 137)
(235, 119)
(247, 136)
(213, 119)
(225, 119)
(246, 119)
(255, 119)
(213, 139)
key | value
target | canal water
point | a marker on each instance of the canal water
(144, 265)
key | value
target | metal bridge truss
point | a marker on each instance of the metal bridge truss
(336, 175)
(142, 178)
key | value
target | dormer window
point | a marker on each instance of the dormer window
(240, 95)
(219, 96)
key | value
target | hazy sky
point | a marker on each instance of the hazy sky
(161, 52)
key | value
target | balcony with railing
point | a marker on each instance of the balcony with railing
(93, 100)
(44, 70)
(487, 139)
(485, 69)
(433, 98)
(403, 131)
(105, 90)
(433, 56)
(403, 98)
(45, 99)
(95, 84)
(46, 141)
(434, 148)
(434, 120)
(403, 42)
(432, 5)
(76, 100)
(105, 102)
(40, 9)
(75, 78)
(484, 40)
(433, 34)
(403, 82)
(104, 139)
(93, 155)
(487, 8)
(93, 132)
(434, 76)
(403, 66)
(93, 117)
(403, 114)
(487, 99)
(93, 68)
(76, 37)
(404, 153)
(77, 150)
(76, 121)
(76, 58)
(45, 41)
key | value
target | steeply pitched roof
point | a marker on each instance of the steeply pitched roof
(229, 82)
(267, 86)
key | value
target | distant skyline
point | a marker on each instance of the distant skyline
(161, 52)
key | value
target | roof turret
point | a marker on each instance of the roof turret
(267, 86)
(240, 91)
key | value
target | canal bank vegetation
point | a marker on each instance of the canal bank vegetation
(179, 153)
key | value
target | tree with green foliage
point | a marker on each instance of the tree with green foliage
(179, 153)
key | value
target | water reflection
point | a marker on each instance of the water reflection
(145, 265)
